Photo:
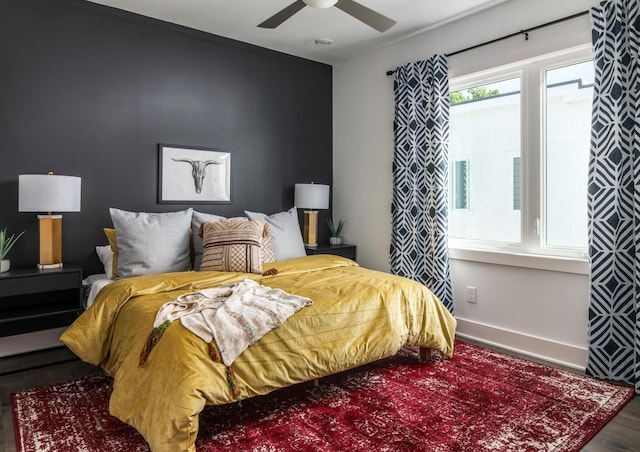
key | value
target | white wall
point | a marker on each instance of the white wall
(537, 311)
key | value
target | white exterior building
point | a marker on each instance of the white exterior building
(485, 164)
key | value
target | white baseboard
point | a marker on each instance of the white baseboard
(30, 342)
(535, 347)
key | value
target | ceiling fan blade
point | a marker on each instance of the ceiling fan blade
(279, 17)
(366, 15)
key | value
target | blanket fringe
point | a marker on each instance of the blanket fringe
(214, 353)
(156, 335)
(231, 377)
(152, 340)
(233, 383)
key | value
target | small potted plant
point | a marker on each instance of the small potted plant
(6, 243)
(336, 230)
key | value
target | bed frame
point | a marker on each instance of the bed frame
(425, 356)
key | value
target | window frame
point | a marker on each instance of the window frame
(532, 165)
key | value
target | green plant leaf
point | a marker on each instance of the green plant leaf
(335, 228)
(6, 243)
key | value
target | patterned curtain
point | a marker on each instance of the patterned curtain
(614, 195)
(419, 205)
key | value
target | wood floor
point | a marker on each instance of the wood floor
(57, 365)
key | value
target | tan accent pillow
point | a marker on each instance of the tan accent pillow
(268, 252)
(232, 246)
(111, 238)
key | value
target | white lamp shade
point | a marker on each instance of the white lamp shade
(312, 196)
(48, 193)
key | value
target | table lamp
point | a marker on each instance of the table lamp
(49, 193)
(311, 197)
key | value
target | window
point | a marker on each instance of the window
(569, 91)
(485, 128)
(520, 135)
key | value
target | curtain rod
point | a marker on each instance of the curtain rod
(517, 33)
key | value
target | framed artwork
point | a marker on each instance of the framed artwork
(193, 175)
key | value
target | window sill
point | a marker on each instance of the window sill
(534, 261)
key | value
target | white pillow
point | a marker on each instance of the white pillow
(106, 257)
(151, 243)
(285, 232)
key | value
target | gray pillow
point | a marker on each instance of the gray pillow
(285, 232)
(196, 220)
(150, 243)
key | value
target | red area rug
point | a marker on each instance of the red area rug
(478, 401)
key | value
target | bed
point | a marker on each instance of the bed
(357, 316)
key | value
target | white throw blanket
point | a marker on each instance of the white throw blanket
(235, 315)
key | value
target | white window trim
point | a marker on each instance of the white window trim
(531, 252)
(575, 265)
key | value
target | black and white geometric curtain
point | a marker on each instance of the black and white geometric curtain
(420, 191)
(614, 195)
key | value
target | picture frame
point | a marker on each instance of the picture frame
(193, 175)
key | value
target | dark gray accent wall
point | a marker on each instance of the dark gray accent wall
(90, 91)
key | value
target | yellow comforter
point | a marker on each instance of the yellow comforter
(357, 316)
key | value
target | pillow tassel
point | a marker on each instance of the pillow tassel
(270, 272)
(152, 340)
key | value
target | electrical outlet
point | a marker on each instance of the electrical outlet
(471, 294)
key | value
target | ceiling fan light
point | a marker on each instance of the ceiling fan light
(323, 41)
(320, 3)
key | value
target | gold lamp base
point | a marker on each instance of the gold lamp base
(311, 227)
(50, 241)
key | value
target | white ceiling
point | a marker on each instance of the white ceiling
(238, 19)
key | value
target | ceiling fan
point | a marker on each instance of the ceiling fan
(360, 12)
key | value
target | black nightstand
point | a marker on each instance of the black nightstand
(32, 299)
(344, 250)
